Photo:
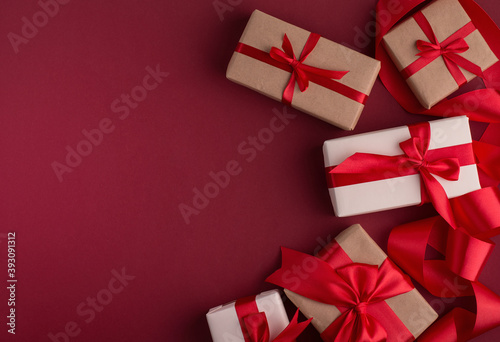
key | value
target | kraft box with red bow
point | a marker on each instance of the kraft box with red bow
(260, 318)
(353, 291)
(303, 69)
(398, 167)
(437, 50)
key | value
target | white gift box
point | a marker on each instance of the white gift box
(225, 326)
(402, 191)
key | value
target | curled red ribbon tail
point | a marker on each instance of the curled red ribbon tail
(293, 330)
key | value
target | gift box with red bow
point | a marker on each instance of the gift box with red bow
(353, 292)
(304, 70)
(398, 167)
(260, 318)
(437, 50)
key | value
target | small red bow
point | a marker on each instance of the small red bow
(450, 49)
(257, 328)
(416, 149)
(301, 73)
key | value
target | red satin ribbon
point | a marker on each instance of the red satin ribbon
(449, 49)
(302, 74)
(488, 162)
(362, 167)
(479, 105)
(466, 251)
(358, 290)
(463, 325)
(255, 327)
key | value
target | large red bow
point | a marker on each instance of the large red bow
(415, 159)
(356, 289)
(301, 72)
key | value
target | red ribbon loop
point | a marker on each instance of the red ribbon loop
(354, 289)
(300, 71)
(463, 325)
(466, 250)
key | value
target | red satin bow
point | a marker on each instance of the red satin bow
(434, 49)
(450, 49)
(255, 327)
(301, 72)
(367, 285)
(355, 289)
(415, 159)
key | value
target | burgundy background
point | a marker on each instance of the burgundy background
(119, 208)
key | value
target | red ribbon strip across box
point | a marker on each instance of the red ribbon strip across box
(450, 49)
(260, 318)
(353, 291)
(328, 80)
(402, 166)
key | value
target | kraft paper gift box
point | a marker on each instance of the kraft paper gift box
(396, 189)
(339, 107)
(225, 326)
(355, 245)
(434, 82)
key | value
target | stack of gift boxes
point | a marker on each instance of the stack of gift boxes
(352, 290)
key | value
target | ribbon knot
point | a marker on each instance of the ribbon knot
(360, 308)
(301, 73)
(295, 65)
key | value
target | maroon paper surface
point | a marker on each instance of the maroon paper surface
(118, 210)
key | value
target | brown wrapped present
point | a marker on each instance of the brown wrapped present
(437, 50)
(351, 281)
(313, 74)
